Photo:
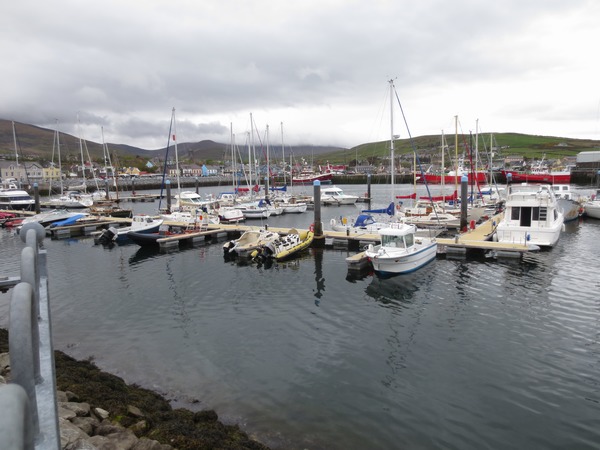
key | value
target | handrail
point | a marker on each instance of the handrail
(30, 402)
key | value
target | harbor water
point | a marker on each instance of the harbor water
(462, 354)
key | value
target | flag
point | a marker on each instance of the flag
(173, 137)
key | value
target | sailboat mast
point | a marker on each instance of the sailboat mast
(283, 154)
(456, 152)
(59, 160)
(16, 148)
(268, 167)
(233, 171)
(176, 153)
(81, 151)
(392, 136)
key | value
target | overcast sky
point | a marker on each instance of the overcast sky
(320, 67)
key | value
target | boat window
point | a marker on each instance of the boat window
(514, 213)
(535, 213)
(410, 240)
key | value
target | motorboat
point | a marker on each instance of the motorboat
(140, 223)
(592, 207)
(333, 195)
(400, 250)
(532, 216)
(286, 246)
(249, 241)
(568, 202)
(71, 200)
(11, 197)
(46, 218)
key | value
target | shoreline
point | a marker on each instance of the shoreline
(177, 427)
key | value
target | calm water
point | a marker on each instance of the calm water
(463, 354)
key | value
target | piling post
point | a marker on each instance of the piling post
(464, 192)
(369, 189)
(36, 196)
(196, 186)
(318, 225)
(168, 184)
(107, 188)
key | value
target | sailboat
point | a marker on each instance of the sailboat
(72, 199)
(400, 250)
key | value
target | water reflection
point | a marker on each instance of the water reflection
(142, 254)
(319, 279)
(396, 290)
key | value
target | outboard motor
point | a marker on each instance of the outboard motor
(108, 236)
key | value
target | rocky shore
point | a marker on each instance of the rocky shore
(98, 410)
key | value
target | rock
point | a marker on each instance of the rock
(101, 442)
(101, 413)
(61, 397)
(135, 411)
(72, 397)
(66, 414)
(80, 409)
(69, 433)
(106, 428)
(86, 424)
(81, 444)
(123, 440)
(150, 444)
(139, 427)
(4, 363)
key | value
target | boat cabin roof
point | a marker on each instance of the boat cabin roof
(397, 229)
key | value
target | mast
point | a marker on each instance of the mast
(232, 138)
(283, 155)
(250, 150)
(176, 154)
(59, 161)
(456, 152)
(392, 136)
(268, 167)
(81, 151)
(16, 152)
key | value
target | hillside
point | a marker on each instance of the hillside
(37, 143)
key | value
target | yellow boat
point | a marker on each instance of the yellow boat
(286, 246)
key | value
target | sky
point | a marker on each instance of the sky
(302, 72)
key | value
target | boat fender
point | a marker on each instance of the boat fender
(312, 227)
(332, 222)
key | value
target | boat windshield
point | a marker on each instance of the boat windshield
(397, 241)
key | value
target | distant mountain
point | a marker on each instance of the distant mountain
(35, 142)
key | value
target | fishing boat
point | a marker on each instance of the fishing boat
(540, 173)
(140, 223)
(400, 251)
(286, 246)
(249, 241)
(532, 216)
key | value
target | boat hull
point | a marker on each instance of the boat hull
(387, 264)
(554, 178)
(592, 210)
(478, 177)
(323, 178)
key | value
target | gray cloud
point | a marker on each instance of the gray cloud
(319, 66)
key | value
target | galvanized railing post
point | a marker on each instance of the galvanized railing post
(15, 427)
(21, 346)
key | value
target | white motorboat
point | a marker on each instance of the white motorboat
(333, 195)
(140, 223)
(592, 206)
(532, 216)
(47, 218)
(11, 197)
(568, 202)
(400, 250)
(71, 200)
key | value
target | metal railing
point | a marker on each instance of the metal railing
(30, 419)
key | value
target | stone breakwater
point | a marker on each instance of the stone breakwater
(98, 410)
